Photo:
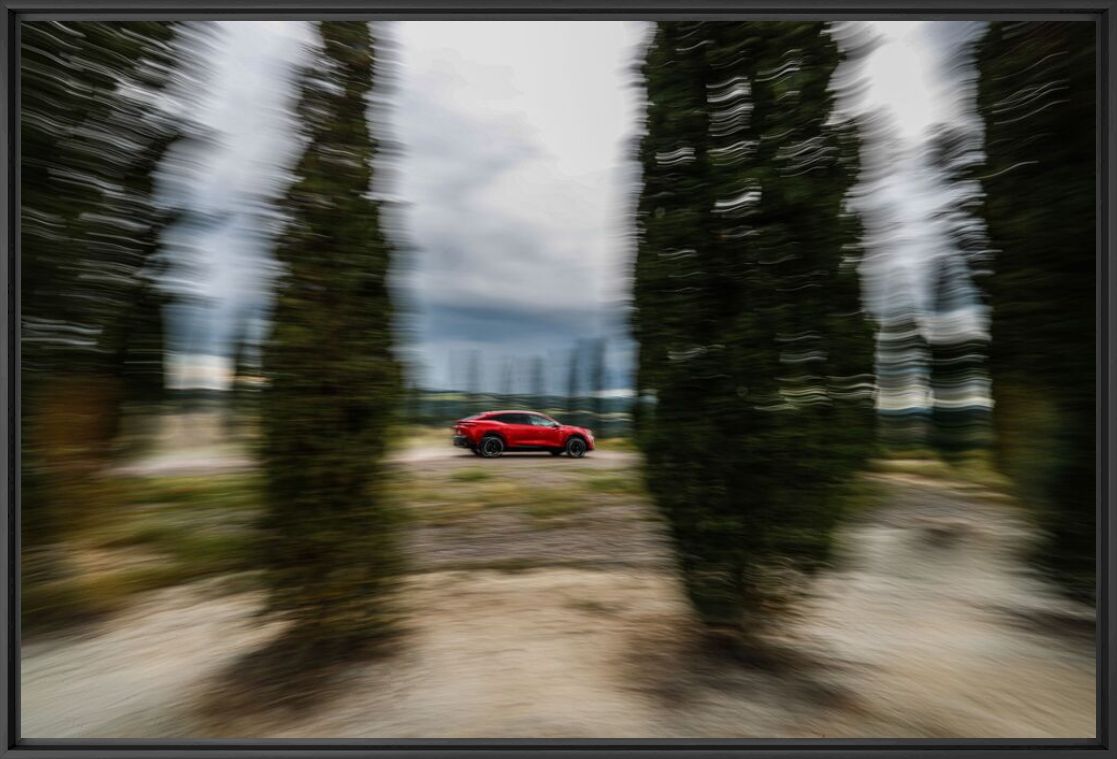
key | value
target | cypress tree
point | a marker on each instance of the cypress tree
(92, 137)
(507, 381)
(902, 374)
(597, 382)
(240, 403)
(747, 309)
(1036, 96)
(538, 383)
(958, 359)
(330, 544)
(473, 382)
(572, 386)
(959, 350)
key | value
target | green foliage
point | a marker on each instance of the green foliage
(330, 540)
(1037, 99)
(620, 483)
(471, 475)
(573, 412)
(160, 532)
(92, 134)
(597, 380)
(91, 139)
(748, 316)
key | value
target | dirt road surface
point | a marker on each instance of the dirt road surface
(574, 625)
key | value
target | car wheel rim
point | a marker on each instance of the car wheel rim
(492, 447)
(577, 448)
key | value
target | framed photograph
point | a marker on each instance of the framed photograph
(607, 379)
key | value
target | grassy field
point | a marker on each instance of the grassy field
(162, 531)
(166, 531)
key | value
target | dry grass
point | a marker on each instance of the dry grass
(161, 532)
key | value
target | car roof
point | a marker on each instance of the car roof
(514, 411)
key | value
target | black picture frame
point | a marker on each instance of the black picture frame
(1100, 12)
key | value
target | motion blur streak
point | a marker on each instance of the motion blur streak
(93, 132)
(819, 297)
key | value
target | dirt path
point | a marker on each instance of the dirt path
(137, 675)
(578, 629)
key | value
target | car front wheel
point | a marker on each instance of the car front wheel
(576, 447)
(491, 447)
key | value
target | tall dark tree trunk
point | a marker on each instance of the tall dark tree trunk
(748, 315)
(1037, 98)
(91, 313)
(330, 542)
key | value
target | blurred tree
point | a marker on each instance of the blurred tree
(330, 540)
(573, 412)
(1037, 97)
(538, 383)
(958, 352)
(959, 346)
(241, 403)
(473, 382)
(416, 410)
(597, 380)
(748, 316)
(902, 362)
(93, 133)
(507, 381)
(901, 381)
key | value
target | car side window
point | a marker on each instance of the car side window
(511, 418)
(539, 421)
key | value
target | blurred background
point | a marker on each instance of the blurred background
(824, 292)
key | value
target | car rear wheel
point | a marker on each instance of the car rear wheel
(576, 447)
(491, 447)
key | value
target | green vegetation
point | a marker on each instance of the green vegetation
(93, 134)
(471, 475)
(329, 536)
(752, 341)
(160, 532)
(1036, 96)
(975, 468)
(625, 444)
(748, 314)
(443, 501)
(615, 482)
(165, 531)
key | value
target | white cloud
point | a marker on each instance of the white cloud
(515, 140)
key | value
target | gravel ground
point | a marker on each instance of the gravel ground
(576, 627)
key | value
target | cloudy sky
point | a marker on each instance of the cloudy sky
(513, 178)
(516, 176)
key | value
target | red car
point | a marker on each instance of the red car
(494, 432)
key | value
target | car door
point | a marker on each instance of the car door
(520, 430)
(546, 431)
